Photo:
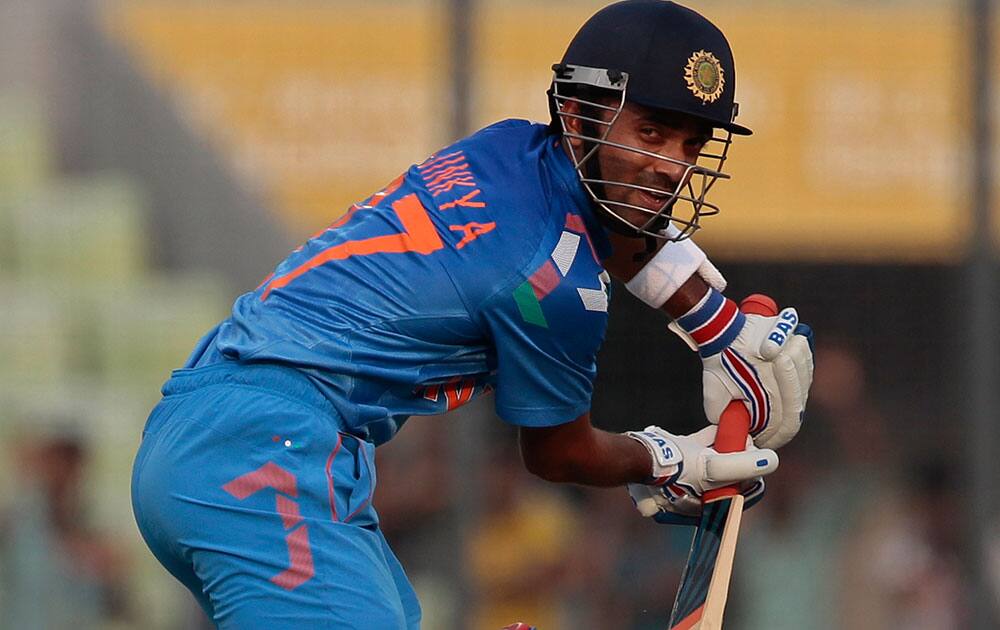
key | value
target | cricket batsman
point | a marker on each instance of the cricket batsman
(484, 268)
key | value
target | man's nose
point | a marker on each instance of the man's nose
(673, 164)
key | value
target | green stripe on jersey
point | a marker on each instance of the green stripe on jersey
(527, 303)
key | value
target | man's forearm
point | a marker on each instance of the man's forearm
(612, 460)
(686, 297)
(579, 453)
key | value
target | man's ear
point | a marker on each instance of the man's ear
(573, 124)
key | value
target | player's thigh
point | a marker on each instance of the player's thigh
(251, 493)
(407, 596)
(150, 507)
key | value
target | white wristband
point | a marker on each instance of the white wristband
(712, 276)
(670, 268)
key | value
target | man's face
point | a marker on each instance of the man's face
(668, 134)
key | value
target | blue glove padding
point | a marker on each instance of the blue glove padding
(806, 331)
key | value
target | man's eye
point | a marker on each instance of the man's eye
(650, 132)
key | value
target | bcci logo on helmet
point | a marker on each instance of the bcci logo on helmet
(704, 76)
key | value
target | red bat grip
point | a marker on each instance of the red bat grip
(734, 425)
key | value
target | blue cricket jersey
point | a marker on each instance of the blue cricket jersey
(478, 269)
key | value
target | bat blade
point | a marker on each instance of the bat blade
(701, 599)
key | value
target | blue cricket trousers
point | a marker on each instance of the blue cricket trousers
(249, 492)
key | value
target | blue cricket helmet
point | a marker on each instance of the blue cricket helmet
(674, 57)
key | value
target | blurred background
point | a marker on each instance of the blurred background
(159, 157)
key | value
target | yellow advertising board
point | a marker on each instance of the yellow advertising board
(313, 104)
(861, 148)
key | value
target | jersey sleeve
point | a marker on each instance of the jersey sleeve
(547, 332)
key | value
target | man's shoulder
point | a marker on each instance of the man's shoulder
(513, 137)
(496, 174)
(513, 126)
(494, 191)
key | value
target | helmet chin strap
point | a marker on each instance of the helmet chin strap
(651, 247)
(659, 224)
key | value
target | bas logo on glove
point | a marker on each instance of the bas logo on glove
(660, 448)
(787, 321)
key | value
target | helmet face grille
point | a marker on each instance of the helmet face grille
(683, 207)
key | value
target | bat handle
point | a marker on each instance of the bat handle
(734, 424)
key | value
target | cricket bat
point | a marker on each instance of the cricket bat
(701, 598)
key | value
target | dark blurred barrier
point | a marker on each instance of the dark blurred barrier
(982, 339)
(887, 314)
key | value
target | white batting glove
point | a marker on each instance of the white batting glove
(766, 362)
(686, 466)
